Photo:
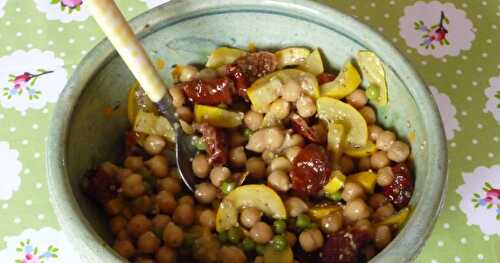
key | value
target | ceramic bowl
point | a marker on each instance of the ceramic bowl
(81, 135)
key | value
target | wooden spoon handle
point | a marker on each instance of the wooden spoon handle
(118, 31)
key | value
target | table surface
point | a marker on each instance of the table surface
(454, 46)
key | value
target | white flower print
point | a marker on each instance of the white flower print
(2, 4)
(493, 95)
(154, 3)
(447, 111)
(481, 199)
(11, 169)
(33, 246)
(436, 29)
(30, 79)
(63, 10)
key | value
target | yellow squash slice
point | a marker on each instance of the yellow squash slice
(313, 63)
(149, 123)
(271, 255)
(223, 56)
(346, 82)
(373, 70)
(292, 56)
(217, 117)
(366, 179)
(360, 152)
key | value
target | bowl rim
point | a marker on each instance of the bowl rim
(404, 248)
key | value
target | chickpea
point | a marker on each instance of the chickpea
(222, 71)
(124, 247)
(374, 131)
(178, 97)
(369, 252)
(291, 91)
(250, 216)
(133, 186)
(205, 193)
(118, 223)
(142, 205)
(385, 176)
(385, 140)
(138, 225)
(295, 206)
(292, 140)
(268, 156)
(122, 235)
(166, 202)
(256, 167)
(365, 225)
(379, 160)
(231, 254)
(364, 164)
(154, 144)
(291, 238)
(184, 215)
(238, 157)
(382, 236)
(109, 168)
(305, 106)
(148, 243)
(311, 239)
(121, 174)
(279, 181)
(384, 211)
(346, 164)
(356, 209)
(184, 113)
(134, 163)
(219, 174)
(170, 184)
(207, 219)
(253, 120)
(292, 152)
(398, 152)
(261, 233)
(173, 235)
(352, 190)
(207, 74)
(201, 167)
(280, 109)
(377, 200)
(127, 213)
(158, 165)
(114, 206)
(188, 73)
(280, 164)
(331, 223)
(236, 138)
(269, 139)
(160, 222)
(165, 255)
(357, 99)
(187, 199)
(369, 114)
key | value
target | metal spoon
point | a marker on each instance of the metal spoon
(120, 34)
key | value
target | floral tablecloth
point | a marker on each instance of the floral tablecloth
(453, 44)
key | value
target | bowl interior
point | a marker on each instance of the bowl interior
(94, 135)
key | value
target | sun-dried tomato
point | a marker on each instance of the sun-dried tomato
(300, 126)
(400, 190)
(345, 247)
(217, 144)
(325, 78)
(310, 170)
(208, 92)
(100, 186)
(240, 82)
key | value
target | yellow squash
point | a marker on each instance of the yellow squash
(151, 124)
(319, 212)
(336, 111)
(223, 56)
(373, 70)
(336, 182)
(360, 152)
(366, 179)
(292, 56)
(217, 117)
(252, 195)
(271, 255)
(397, 219)
(346, 82)
(313, 63)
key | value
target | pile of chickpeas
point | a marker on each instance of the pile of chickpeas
(154, 219)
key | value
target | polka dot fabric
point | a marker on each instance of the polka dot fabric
(452, 44)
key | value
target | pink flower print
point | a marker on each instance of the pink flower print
(30, 258)
(491, 199)
(22, 79)
(69, 5)
(31, 253)
(25, 81)
(434, 34)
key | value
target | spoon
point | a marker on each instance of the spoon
(120, 34)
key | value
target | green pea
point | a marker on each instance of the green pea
(260, 249)
(372, 92)
(279, 226)
(227, 187)
(222, 236)
(234, 235)
(247, 132)
(199, 144)
(303, 221)
(248, 244)
(279, 242)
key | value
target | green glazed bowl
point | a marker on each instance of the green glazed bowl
(185, 32)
